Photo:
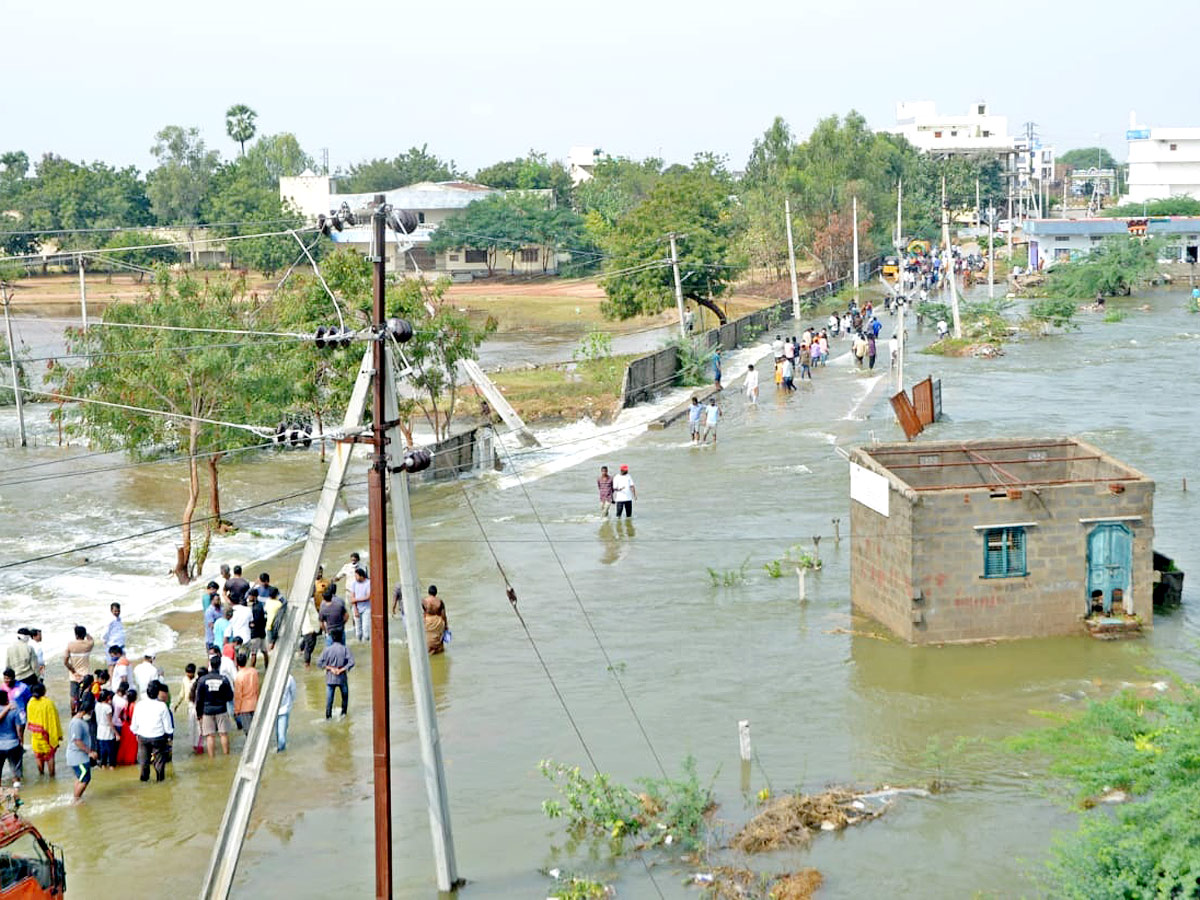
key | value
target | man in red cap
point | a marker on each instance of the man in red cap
(624, 492)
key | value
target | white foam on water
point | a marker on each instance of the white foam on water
(865, 389)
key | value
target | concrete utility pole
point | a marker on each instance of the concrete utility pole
(12, 364)
(991, 255)
(82, 294)
(854, 216)
(437, 792)
(787, 215)
(1010, 224)
(899, 207)
(948, 269)
(678, 286)
(977, 223)
(377, 550)
(900, 347)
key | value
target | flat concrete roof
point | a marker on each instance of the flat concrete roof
(994, 464)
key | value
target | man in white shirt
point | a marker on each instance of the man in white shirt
(752, 385)
(153, 726)
(712, 414)
(144, 673)
(777, 347)
(239, 623)
(624, 492)
(346, 572)
(360, 604)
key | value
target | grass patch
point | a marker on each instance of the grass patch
(955, 346)
(1113, 316)
(592, 387)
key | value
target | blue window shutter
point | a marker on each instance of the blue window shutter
(1016, 553)
(1003, 552)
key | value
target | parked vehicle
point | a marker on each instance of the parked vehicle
(30, 868)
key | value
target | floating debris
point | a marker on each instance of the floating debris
(792, 820)
(731, 883)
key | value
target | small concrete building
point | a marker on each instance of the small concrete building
(978, 540)
(1057, 240)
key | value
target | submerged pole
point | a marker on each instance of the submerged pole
(12, 366)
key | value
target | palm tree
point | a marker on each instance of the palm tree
(239, 124)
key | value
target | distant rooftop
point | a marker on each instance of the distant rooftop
(424, 195)
(1114, 225)
(995, 464)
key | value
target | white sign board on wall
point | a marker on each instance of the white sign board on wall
(869, 488)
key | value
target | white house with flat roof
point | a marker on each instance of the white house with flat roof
(1054, 240)
(1163, 162)
(976, 132)
(433, 202)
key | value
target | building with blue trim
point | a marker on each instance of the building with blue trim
(1053, 240)
(955, 541)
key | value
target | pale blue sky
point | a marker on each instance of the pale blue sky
(482, 81)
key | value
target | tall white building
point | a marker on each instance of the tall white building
(1163, 162)
(977, 132)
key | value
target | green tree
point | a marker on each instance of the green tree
(695, 204)
(532, 172)
(502, 224)
(239, 124)
(413, 166)
(179, 185)
(277, 155)
(1088, 157)
(245, 192)
(78, 198)
(1171, 206)
(138, 249)
(1115, 268)
(442, 338)
(172, 371)
(617, 185)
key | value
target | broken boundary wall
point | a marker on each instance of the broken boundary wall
(649, 375)
(461, 454)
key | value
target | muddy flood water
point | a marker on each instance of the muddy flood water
(829, 700)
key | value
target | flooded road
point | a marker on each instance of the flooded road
(827, 702)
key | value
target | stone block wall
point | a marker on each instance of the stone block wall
(959, 604)
(881, 563)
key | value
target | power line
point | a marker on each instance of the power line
(588, 619)
(191, 243)
(511, 594)
(121, 228)
(59, 397)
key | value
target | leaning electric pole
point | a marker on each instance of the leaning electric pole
(389, 458)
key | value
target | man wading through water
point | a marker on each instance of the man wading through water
(624, 492)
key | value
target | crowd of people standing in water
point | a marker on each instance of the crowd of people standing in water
(123, 713)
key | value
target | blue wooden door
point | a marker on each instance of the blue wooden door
(1110, 561)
